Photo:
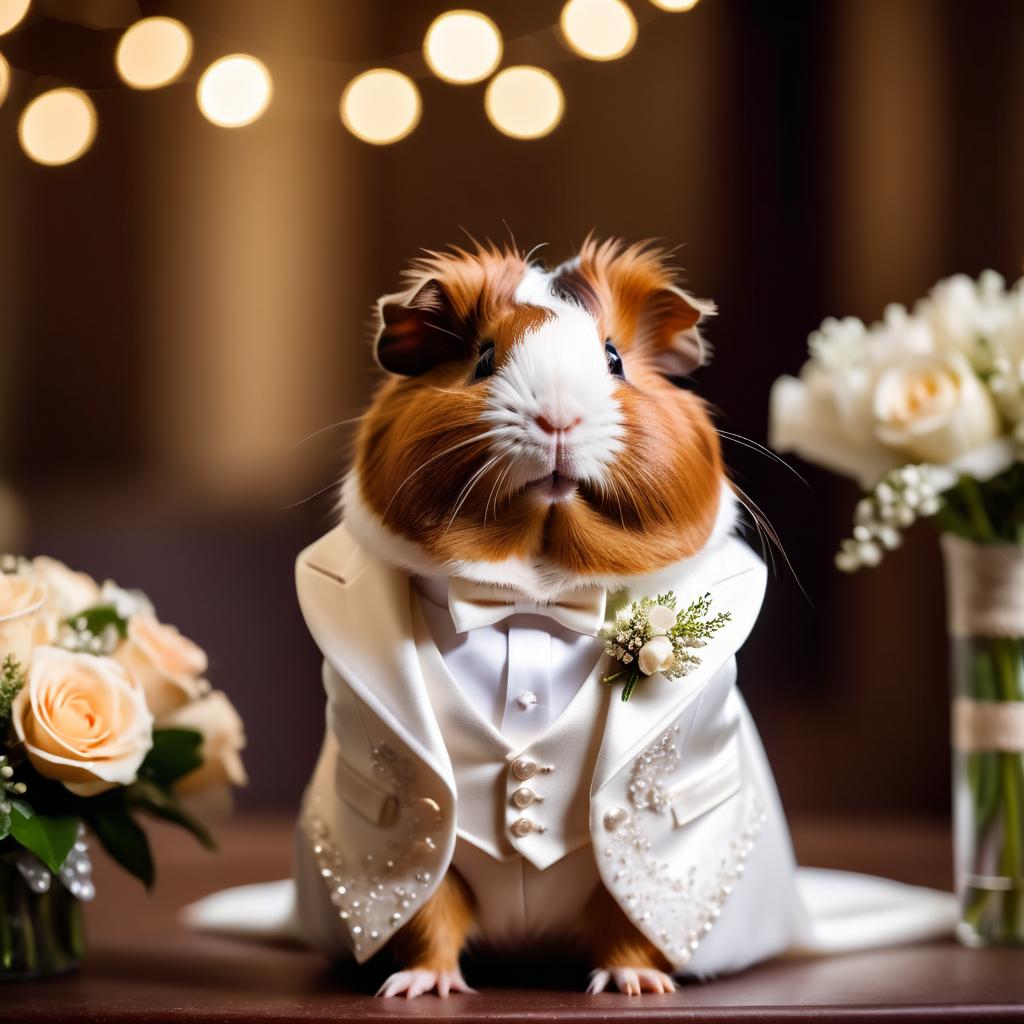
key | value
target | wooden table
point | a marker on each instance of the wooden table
(143, 967)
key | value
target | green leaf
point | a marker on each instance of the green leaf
(175, 753)
(98, 618)
(5, 824)
(164, 804)
(122, 838)
(50, 839)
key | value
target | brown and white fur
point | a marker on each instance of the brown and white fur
(505, 447)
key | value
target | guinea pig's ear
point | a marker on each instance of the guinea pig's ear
(417, 331)
(668, 328)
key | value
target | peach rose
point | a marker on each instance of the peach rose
(21, 599)
(82, 721)
(67, 593)
(168, 666)
(223, 734)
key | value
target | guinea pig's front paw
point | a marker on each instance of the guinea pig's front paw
(419, 980)
(631, 981)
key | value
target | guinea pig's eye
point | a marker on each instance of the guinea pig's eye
(614, 360)
(485, 361)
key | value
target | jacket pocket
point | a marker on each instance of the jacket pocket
(368, 799)
(701, 791)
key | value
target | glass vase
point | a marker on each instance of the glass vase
(985, 589)
(41, 931)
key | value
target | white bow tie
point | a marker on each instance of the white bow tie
(473, 605)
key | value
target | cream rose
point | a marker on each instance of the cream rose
(656, 655)
(68, 593)
(223, 734)
(933, 408)
(166, 665)
(82, 721)
(21, 601)
(662, 619)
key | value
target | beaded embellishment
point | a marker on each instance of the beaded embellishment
(75, 873)
(374, 898)
(677, 910)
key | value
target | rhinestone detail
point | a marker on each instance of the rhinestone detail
(373, 898)
(660, 759)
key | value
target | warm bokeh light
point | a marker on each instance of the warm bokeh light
(57, 126)
(234, 91)
(675, 5)
(598, 29)
(524, 102)
(153, 52)
(5, 79)
(380, 106)
(11, 13)
(462, 46)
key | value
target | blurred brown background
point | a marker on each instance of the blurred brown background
(184, 305)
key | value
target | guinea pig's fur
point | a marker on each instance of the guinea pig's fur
(536, 466)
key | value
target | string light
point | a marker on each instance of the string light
(675, 5)
(58, 126)
(11, 13)
(153, 52)
(462, 46)
(598, 29)
(524, 102)
(5, 79)
(380, 106)
(234, 91)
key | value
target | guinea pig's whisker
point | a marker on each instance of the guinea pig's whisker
(756, 446)
(433, 458)
(473, 480)
(322, 430)
(494, 490)
(768, 533)
(310, 497)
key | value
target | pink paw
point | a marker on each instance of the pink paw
(631, 981)
(418, 981)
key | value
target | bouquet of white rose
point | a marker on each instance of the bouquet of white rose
(926, 411)
(105, 713)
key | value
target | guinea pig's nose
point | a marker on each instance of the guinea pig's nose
(552, 427)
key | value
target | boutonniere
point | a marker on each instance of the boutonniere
(650, 636)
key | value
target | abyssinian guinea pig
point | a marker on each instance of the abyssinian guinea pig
(529, 433)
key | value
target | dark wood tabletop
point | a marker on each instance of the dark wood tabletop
(143, 966)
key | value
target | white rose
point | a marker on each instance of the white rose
(223, 734)
(21, 602)
(933, 408)
(68, 593)
(166, 665)
(662, 619)
(656, 655)
(82, 721)
(126, 602)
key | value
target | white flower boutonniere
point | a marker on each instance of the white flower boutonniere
(650, 636)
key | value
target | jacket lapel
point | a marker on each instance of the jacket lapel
(735, 577)
(359, 611)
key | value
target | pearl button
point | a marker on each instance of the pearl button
(526, 699)
(523, 768)
(523, 797)
(615, 818)
(522, 827)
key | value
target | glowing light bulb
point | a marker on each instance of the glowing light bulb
(675, 5)
(234, 91)
(598, 29)
(11, 13)
(462, 46)
(57, 126)
(524, 102)
(380, 106)
(5, 79)
(153, 52)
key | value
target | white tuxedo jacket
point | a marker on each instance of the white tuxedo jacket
(680, 819)
(686, 830)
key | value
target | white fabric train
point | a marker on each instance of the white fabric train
(667, 800)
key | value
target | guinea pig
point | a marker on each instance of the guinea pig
(527, 460)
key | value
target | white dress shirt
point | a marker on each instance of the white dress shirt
(520, 673)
